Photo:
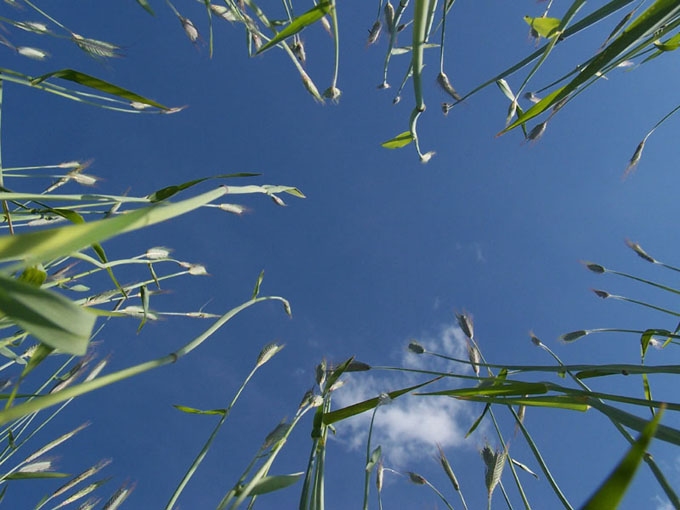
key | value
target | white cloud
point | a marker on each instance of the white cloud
(410, 427)
(662, 503)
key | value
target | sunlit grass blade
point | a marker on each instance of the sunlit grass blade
(311, 16)
(49, 317)
(401, 140)
(651, 19)
(97, 84)
(367, 405)
(146, 6)
(611, 492)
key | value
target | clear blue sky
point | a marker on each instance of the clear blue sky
(382, 250)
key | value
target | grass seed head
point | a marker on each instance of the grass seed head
(32, 26)
(299, 51)
(389, 16)
(189, 29)
(311, 88)
(535, 340)
(332, 93)
(320, 373)
(447, 469)
(374, 33)
(268, 352)
(157, 253)
(233, 208)
(379, 475)
(425, 158)
(465, 323)
(601, 293)
(635, 159)
(474, 356)
(416, 478)
(415, 347)
(326, 26)
(445, 84)
(223, 12)
(537, 132)
(595, 268)
(574, 335)
(640, 252)
(34, 53)
(530, 96)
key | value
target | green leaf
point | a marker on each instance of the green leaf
(191, 410)
(33, 276)
(144, 294)
(273, 483)
(367, 405)
(48, 316)
(146, 6)
(34, 247)
(478, 421)
(311, 16)
(401, 140)
(650, 20)
(169, 191)
(256, 290)
(546, 27)
(611, 492)
(95, 83)
(374, 458)
(498, 389)
(30, 476)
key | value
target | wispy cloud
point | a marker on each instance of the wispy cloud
(662, 503)
(410, 427)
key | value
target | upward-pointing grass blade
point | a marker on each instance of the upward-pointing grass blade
(311, 16)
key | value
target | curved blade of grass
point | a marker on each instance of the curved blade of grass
(610, 494)
(367, 405)
(478, 421)
(49, 317)
(508, 388)
(45, 401)
(598, 15)
(34, 247)
(311, 16)
(20, 475)
(555, 402)
(651, 19)
(95, 83)
(274, 483)
(168, 191)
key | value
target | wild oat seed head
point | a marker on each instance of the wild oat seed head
(640, 252)
(447, 469)
(83, 179)
(70, 164)
(389, 16)
(474, 356)
(332, 93)
(445, 84)
(337, 385)
(465, 323)
(415, 347)
(416, 478)
(189, 29)
(424, 158)
(197, 269)
(635, 159)
(326, 26)
(379, 475)
(321, 373)
(157, 252)
(34, 53)
(537, 132)
(574, 335)
(223, 12)
(36, 467)
(595, 268)
(32, 26)
(601, 293)
(374, 33)
(139, 106)
(534, 339)
(530, 96)
(232, 208)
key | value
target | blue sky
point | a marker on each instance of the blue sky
(383, 249)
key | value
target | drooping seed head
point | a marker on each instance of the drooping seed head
(32, 26)
(640, 252)
(332, 93)
(573, 336)
(379, 475)
(197, 269)
(233, 208)
(537, 132)
(309, 85)
(445, 84)
(474, 356)
(595, 268)
(357, 366)
(534, 339)
(157, 253)
(34, 53)
(321, 373)
(425, 158)
(447, 469)
(601, 293)
(223, 12)
(635, 159)
(374, 33)
(189, 28)
(299, 51)
(327, 26)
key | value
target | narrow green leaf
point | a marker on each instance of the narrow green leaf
(146, 6)
(311, 16)
(97, 84)
(169, 191)
(546, 27)
(367, 405)
(273, 483)
(373, 459)
(30, 476)
(498, 389)
(401, 140)
(191, 410)
(256, 290)
(478, 420)
(144, 294)
(48, 316)
(611, 492)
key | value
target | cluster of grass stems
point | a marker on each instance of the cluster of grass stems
(47, 232)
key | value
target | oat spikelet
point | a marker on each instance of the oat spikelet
(415, 347)
(635, 159)
(416, 478)
(640, 252)
(465, 323)
(445, 84)
(268, 352)
(374, 33)
(54, 444)
(389, 16)
(447, 469)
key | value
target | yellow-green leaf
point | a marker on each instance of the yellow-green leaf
(311, 16)
(401, 140)
(546, 27)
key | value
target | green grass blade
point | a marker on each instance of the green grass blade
(507, 388)
(401, 140)
(610, 494)
(651, 19)
(168, 191)
(146, 6)
(48, 316)
(367, 405)
(95, 83)
(311, 16)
